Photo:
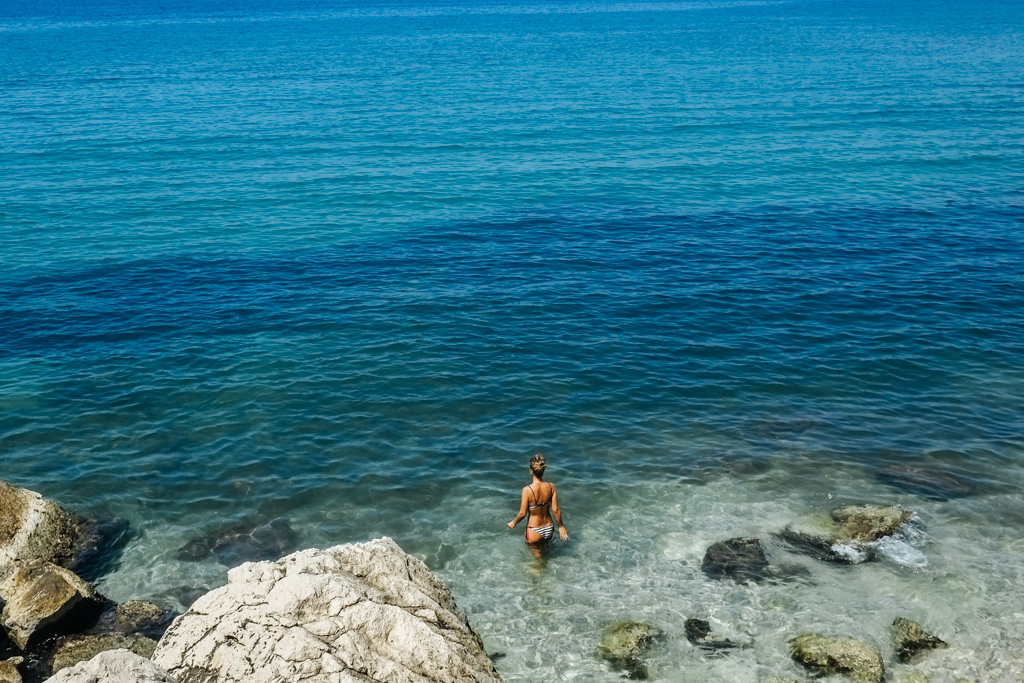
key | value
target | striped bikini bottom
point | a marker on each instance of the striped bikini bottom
(546, 533)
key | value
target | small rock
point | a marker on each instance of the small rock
(909, 639)
(838, 655)
(135, 616)
(741, 559)
(43, 598)
(698, 632)
(9, 670)
(113, 666)
(926, 482)
(624, 645)
(868, 523)
(243, 542)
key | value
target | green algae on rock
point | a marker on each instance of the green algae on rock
(83, 648)
(910, 640)
(624, 645)
(851, 534)
(838, 655)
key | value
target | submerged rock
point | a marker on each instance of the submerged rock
(77, 649)
(698, 632)
(9, 670)
(910, 640)
(243, 542)
(838, 655)
(364, 611)
(114, 666)
(42, 598)
(624, 645)
(926, 482)
(854, 534)
(185, 595)
(135, 616)
(742, 559)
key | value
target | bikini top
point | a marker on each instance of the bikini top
(536, 497)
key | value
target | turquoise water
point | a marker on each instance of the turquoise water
(350, 264)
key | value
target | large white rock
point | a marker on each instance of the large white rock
(113, 666)
(360, 612)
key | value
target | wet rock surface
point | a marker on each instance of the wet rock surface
(77, 649)
(244, 542)
(741, 559)
(869, 523)
(9, 670)
(114, 666)
(366, 612)
(624, 646)
(838, 655)
(42, 598)
(135, 616)
(910, 640)
(852, 534)
(698, 632)
(927, 482)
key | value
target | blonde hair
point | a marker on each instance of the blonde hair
(538, 464)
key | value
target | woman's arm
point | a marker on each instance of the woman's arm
(522, 510)
(556, 512)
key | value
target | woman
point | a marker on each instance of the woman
(540, 502)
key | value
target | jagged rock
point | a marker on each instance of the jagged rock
(698, 632)
(624, 645)
(927, 482)
(135, 616)
(243, 542)
(113, 666)
(360, 612)
(32, 528)
(9, 670)
(42, 598)
(741, 559)
(77, 649)
(909, 639)
(838, 655)
(853, 534)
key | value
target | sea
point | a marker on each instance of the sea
(340, 267)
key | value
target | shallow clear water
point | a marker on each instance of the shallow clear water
(351, 264)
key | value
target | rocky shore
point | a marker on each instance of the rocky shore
(368, 611)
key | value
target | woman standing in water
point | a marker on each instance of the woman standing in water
(540, 503)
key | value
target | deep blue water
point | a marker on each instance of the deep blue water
(351, 263)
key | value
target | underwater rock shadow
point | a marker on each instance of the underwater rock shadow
(240, 542)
